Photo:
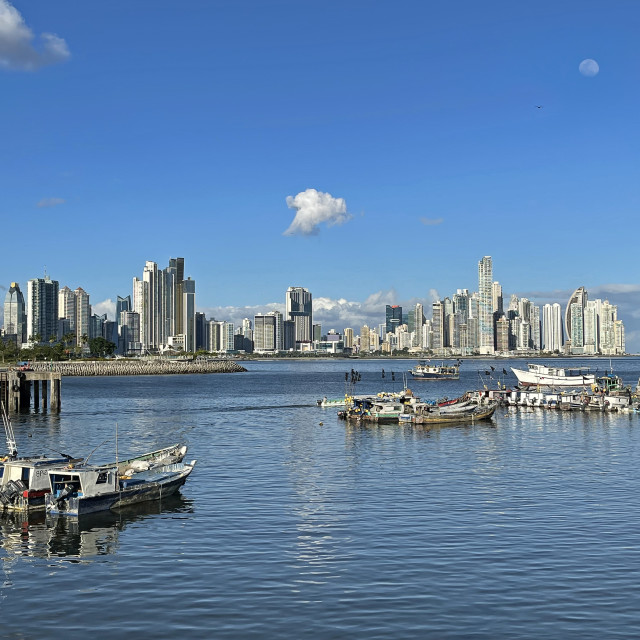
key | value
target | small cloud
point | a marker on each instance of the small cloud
(313, 208)
(107, 306)
(589, 67)
(20, 49)
(50, 202)
(431, 221)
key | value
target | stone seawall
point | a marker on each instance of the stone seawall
(137, 367)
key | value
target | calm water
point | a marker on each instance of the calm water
(527, 526)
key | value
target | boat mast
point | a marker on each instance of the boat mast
(12, 446)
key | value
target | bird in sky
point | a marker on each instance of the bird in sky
(538, 106)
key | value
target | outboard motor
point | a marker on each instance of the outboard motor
(65, 493)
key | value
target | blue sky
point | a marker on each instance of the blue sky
(371, 152)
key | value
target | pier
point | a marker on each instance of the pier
(18, 388)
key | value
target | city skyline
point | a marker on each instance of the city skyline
(370, 153)
(161, 313)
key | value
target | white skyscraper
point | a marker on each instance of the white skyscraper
(485, 319)
(552, 327)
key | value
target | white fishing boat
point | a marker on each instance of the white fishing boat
(90, 489)
(540, 375)
(25, 481)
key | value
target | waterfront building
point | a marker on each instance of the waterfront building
(576, 327)
(417, 324)
(502, 334)
(189, 314)
(130, 332)
(485, 319)
(201, 331)
(83, 318)
(365, 340)
(42, 308)
(317, 332)
(393, 317)
(268, 332)
(299, 309)
(67, 309)
(348, 338)
(15, 315)
(591, 314)
(552, 327)
(214, 335)
(288, 335)
(575, 316)
(437, 326)
(122, 304)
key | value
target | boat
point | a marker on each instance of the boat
(332, 402)
(25, 481)
(95, 488)
(427, 414)
(424, 370)
(540, 375)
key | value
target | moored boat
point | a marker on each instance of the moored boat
(91, 489)
(539, 375)
(25, 481)
(427, 414)
(424, 370)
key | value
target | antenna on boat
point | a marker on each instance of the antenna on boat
(12, 447)
(86, 460)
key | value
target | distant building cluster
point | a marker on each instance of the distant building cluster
(160, 316)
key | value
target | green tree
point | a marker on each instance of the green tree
(101, 347)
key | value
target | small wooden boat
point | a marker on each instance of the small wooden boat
(91, 489)
(467, 414)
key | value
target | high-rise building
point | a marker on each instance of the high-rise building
(83, 317)
(15, 315)
(189, 314)
(299, 310)
(485, 319)
(42, 308)
(575, 315)
(552, 338)
(348, 338)
(67, 308)
(393, 317)
(437, 326)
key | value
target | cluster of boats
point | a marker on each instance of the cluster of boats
(405, 407)
(538, 386)
(71, 486)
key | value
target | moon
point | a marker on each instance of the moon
(589, 67)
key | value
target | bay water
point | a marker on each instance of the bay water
(295, 524)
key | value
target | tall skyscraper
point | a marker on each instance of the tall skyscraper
(393, 318)
(15, 315)
(189, 315)
(485, 320)
(42, 308)
(299, 309)
(575, 315)
(552, 338)
(83, 316)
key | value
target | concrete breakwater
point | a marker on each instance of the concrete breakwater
(137, 367)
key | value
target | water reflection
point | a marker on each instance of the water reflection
(37, 535)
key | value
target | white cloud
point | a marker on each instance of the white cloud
(50, 202)
(107, 306)
(20, 49)
(431, 221)
(313, 208)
